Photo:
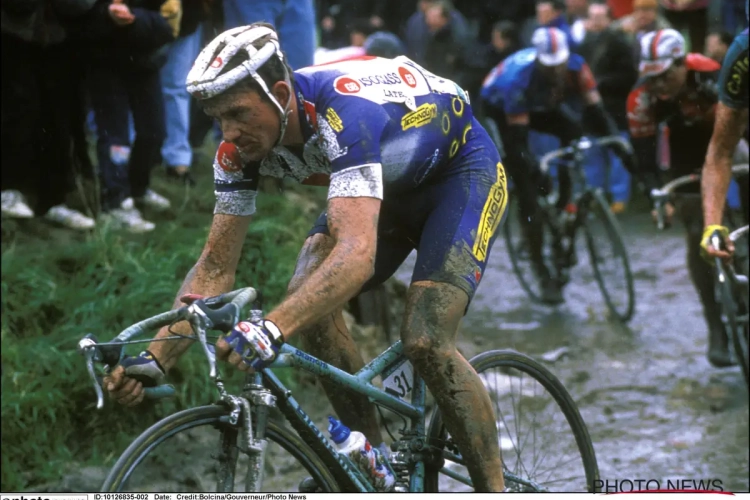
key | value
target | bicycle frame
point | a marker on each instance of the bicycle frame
(361, 382)
(661, 195)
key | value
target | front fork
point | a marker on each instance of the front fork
(256, 400)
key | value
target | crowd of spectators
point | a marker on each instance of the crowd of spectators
(113, 72)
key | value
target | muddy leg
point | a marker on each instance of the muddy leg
(329, 340)
(433, 311)
(701, 274)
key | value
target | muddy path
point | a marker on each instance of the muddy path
(653, 405)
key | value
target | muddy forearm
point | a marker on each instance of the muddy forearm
(717, 171)
(715, 179)
(202, 279)
(338, 278)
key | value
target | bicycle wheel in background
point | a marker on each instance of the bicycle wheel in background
(518, 251)
(608, 255)
(180, 453)
(734, 314)
(562, 458)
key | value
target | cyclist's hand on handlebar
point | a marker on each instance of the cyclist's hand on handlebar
(252, 345)
(126, 381)
(708, 251)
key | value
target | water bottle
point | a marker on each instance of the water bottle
(368, 459)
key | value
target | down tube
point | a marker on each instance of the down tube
(416, 484)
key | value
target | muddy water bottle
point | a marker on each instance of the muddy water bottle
(368, 459)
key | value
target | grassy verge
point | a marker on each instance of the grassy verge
(56, 288)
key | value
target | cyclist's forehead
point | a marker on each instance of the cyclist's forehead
(231, 102)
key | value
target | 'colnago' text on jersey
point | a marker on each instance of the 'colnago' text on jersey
(371, 126)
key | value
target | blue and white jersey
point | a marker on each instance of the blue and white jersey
(515, 86)
(372, 127)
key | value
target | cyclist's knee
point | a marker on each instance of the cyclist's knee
(433, 311)
(314, 251)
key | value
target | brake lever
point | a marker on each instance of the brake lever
(87, 347)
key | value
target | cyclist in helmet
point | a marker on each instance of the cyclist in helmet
(730, 124)
(407, 167)
(679, 89)
(532, 89)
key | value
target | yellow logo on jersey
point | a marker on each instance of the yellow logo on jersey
(419, 117)
(334, 121)
(492, 214)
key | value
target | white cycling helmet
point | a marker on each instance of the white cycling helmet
(205, 79)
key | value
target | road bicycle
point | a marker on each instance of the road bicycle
(245, 432)
(733, 291)
(731, 278)
(564, 217)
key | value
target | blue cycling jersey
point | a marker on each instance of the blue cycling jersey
(388, 129)
(370, 125)
(733, 79)
(515, 85)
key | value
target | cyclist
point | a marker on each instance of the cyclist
(679, 90)
(533, 89)
(407, 166)
(731, 121)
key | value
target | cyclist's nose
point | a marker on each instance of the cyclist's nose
(230, 132)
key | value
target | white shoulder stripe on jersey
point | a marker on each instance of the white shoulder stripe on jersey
(356, 182)
(235, 202)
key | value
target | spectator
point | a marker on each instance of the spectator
(620, 8)
(384, 44)
(176, 151)
(294, 20)
(549, 14)
(359, 30)
(644, 19)
(577, 12)
(717, 44)
(419, 35)
(690, 16)
(126, 45)
(612, 61)
(504, 41)
(338, 16)
(39, 81)
(446, 43)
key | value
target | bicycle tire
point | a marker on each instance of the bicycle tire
(737, 335)
(210, 415)
(512, 359)
(526, 277)
(596, 205)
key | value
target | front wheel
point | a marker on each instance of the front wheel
(541, 451)
(520, 256)
(608, 255)
(192, 449)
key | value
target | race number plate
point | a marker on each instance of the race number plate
(401, 380)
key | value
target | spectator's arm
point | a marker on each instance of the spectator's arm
(149, 31)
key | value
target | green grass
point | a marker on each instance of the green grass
(56, 288)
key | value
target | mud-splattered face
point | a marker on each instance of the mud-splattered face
(668, 84)
(248, 121)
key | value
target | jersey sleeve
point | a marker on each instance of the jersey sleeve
(641, 116)
(235, 186)
(586, 80)
(350, 129)
(733, 79)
